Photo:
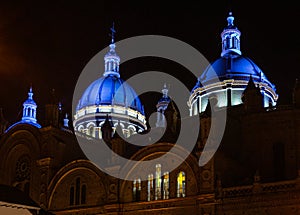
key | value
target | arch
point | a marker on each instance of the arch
(120, 123)
(90, 124)
(131, 127)
(189, 166)
(21, 139)
(80, 128)
(80, 174)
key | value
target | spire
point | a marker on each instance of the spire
(230, 39)
(107, 129)
(165, 91)
(118, 131)
(251, 84)
(252, 97)
(113, 31)
(29, 110)
(66, 121)
(111, 59)
(162, 106)
(230, 19)
(30, 94)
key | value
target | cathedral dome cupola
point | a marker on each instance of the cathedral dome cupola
(109, 95)
(230, 38)
(29, 112)
(227, 77)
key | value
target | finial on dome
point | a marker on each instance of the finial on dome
(112, 34)
(165, 91)
(230, 18)
(30, 93)
(111, 59)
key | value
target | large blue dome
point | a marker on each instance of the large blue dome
(227, 77)
(238, 67)
(110, 90)
(109, 98)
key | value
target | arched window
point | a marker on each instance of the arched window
(91, 130)
(83, 194)
(72, 195)
(166, 185)
(228, 42)
(181, 184)
(137, 189)
(150, 187)
(157, 181)
(78, 193)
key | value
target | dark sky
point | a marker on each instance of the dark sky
(48, 44)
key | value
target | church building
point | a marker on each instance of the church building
(256, 169)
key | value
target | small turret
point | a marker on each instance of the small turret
(66, 121)
(161, 107)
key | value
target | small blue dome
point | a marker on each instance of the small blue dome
(110, 90)
(30, 101)
(237, 67)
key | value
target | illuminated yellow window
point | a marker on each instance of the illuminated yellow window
(181, 184)
(136, 188)
(166, 185)
(158, 182)
(150, 192)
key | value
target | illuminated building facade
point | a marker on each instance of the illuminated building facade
(256, 169)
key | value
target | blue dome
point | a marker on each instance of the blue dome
(30, 101)
(237, 67)
(110, 90)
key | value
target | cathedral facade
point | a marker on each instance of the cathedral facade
(256, 169)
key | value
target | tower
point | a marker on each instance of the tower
(29, 109)
(29, 112)
(161, 107)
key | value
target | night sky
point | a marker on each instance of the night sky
(48, 44)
